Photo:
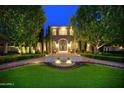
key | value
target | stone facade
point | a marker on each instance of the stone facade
(62, 39)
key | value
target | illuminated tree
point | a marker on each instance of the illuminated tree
(21, 24)
(99, 25)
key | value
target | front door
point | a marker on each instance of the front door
(63, 45)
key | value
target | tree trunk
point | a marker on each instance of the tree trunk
(35, 47)
(42, 46)
(85, 46)
(30, 48)
(88, 47)
(75, 43)
(6, 48)
(80, 46)
(96, 49)
(20, 49)
(74, 46)
(27, 49)
(46, 46)
(23, 49)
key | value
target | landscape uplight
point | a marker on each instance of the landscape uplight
(68, 61)
(58, 61)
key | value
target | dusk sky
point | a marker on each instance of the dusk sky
(59, 14)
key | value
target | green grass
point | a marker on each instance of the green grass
(104, 57)
(15, 57)
(43, 76)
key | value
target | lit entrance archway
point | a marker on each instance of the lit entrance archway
(63, 45)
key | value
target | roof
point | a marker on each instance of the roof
(56, 26)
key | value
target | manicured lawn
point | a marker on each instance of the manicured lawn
(89, 75)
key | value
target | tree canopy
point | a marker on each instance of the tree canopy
(100, 25)
(21, 24)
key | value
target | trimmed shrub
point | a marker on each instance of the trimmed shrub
(10, 58)
(105, 57)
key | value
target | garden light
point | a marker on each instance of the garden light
(68, 61)
(58, 61)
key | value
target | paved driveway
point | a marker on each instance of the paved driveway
(79, 58)
(65, 56)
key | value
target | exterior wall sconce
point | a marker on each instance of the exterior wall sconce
(69, 45)
(57, 45)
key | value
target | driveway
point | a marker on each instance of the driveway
(52, 57)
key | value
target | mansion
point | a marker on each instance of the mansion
(62, 39)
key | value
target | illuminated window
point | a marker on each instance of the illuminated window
(71, 32)
(63, 31)
(54, 32)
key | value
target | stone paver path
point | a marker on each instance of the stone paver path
(109, 63)
(63, 56)
(21, 62)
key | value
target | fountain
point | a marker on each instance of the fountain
(63, 63)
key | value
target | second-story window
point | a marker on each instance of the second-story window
(63, 31)
(54, 32)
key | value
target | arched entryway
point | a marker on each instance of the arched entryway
(63, 45)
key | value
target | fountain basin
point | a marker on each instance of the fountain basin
(63, 63)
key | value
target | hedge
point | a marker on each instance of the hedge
(105, 57)
(10, 58)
